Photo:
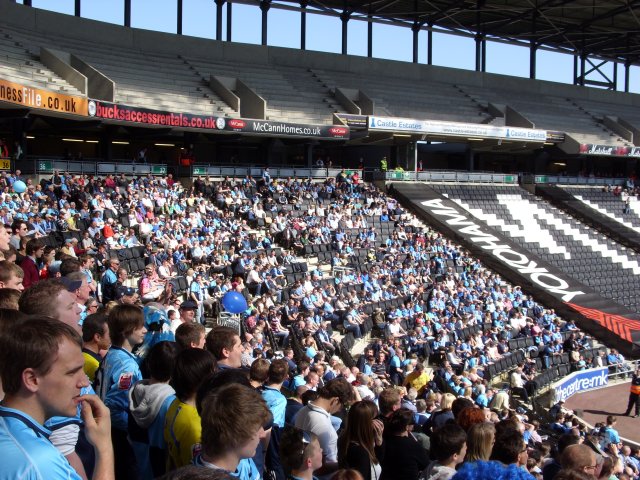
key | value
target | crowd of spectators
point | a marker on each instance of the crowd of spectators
(130, 270)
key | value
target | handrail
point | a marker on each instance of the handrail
(452, 176)
(562, 180)
(48, 165)
(275, 172)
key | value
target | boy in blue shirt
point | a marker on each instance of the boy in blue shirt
(233, 418)
(117, 373)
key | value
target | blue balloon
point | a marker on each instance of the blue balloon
(19, 186)
(234, 302)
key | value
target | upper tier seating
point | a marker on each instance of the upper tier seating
(19, 62)
(404, 97)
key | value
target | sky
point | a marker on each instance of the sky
(324, 34)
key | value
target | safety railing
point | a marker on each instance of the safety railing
(451, 176)
(256, 172)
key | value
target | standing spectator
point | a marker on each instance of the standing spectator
(233, 420)
(448, 450)
(276, 401)
(634, 394)
(315, 417)
(29, 264)
(480, 438)
(11, 275)
(95, 339)
(404, 457)
(34, 394)
(300, 453)
(109, 280)
(580, 458)
(360, 443)
(225, 344)
(182, 429)
(509, 448)
(117, 373)
(20, 230)
(149, 401)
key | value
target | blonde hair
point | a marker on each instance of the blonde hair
(447, 401)
(480, 438)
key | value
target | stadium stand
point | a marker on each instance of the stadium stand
(168, 79)
(158, 80)
(551, 112)
(573, 247)
(410, 98)
(21, 63)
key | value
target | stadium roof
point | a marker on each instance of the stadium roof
(607, 29)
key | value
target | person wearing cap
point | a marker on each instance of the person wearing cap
(127, 295)
(82, 293)
(187, 314)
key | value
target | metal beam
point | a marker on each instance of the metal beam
(127, 13)
(264, 7)
(229, 20)
(303, 25)
(179, 18)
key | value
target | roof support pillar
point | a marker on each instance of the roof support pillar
(369, 37)
(627, 70)
(77, 8)
(179, 16)
(127, 13)
(430, 45)
(415, 28)
(265, 5)
(229, 20)
(219, 6)
(533, 50)
(303, 25)
(481, 53)
(344, 18)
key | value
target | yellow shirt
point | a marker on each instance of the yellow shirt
(417, 380)
(91, 363)
(182, 432)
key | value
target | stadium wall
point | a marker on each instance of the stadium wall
(52, 23)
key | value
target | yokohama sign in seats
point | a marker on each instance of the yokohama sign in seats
(613, 323)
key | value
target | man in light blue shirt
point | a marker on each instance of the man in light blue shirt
(276, 401)
(41, 366)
